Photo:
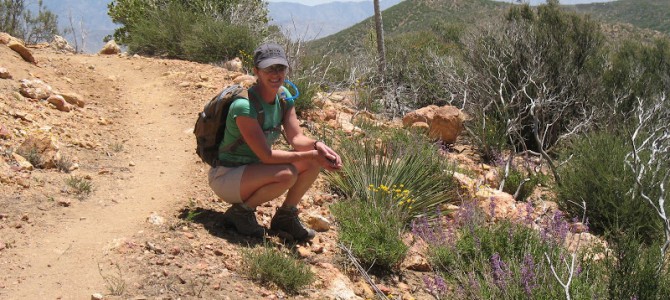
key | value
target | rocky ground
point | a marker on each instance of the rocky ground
(118, 204)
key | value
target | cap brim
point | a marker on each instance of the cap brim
(272, 61)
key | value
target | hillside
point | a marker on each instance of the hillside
(411, 16)
(648, 14)
(426, 15)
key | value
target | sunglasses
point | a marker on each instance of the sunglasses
(275, 69)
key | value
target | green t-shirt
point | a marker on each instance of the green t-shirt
(243, 155)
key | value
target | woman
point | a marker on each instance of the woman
(253, 173)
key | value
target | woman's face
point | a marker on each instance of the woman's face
(271, 77)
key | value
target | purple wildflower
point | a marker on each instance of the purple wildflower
(492, 209)
(529, 213)
(528, 279)
(555, 230)
(435, 285)
(500, 271)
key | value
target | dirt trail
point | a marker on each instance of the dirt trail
(62, 261)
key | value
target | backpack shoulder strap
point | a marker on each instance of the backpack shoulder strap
(255, 102)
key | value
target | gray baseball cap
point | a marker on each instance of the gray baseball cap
(269, 54)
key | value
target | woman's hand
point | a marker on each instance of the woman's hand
(329, 159)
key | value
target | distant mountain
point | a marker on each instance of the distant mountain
(411, 16)
(649, 14)
(431, 15)
(312, 22)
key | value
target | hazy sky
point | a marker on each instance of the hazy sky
(317, 2)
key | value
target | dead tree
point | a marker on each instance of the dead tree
(649, 160)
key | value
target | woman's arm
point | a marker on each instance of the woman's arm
(329, 159)
(254, 137)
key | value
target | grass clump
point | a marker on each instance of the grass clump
(270, 265)
(80, 185)
(64, 164)
(372, 232)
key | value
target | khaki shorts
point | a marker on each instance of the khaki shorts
(225, 182)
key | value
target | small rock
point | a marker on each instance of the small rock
(155, 219)
(35, 89)
(132, 164)
(363, 289)
(318, 223)
(110, 48)
(22, 50)
(304, 252)
(59, 102)
(385, 289)
(97, 296)
(64, 202)
(5, 134)
(175, 250)
(4, 74)
(73, 98)
(3, 246)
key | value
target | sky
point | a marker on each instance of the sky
(532, 2)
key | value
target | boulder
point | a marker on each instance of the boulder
(45, 146)
(35, 89)
(110, 48)
(60, 43)
(21, 49)
(234, 65)
(424, 114)
(447, 124)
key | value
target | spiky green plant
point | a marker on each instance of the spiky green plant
(380, 165)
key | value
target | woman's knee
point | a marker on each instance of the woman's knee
(288, 175)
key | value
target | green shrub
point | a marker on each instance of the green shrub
(598, 176)
(214, 41)
(634, 270)
(270, 265)
(371, 231)
(177, 32)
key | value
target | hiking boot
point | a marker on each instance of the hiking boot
(286, 219)
(243, 218)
